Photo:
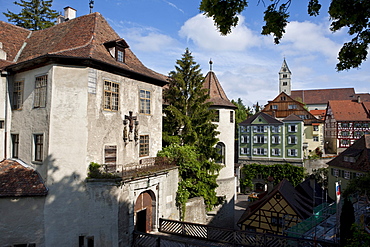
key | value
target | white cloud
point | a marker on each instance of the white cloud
(202, 31)
(306, 38)
(173, 5)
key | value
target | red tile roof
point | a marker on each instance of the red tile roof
(216, 93)
(83, 38)
(322, 96)
(18, 179)
(320, 114)
(349, 110)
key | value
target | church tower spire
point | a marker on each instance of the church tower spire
(285, 79)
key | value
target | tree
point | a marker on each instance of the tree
(188, 122)
(359, 185)
(35, 14)
(351, 14)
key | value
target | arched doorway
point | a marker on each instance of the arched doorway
(144, 211)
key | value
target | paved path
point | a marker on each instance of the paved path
(241, 204)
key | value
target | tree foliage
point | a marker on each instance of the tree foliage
(293, 174)
(188, 123)
(35, 14)
(359, 185)
(351, 14)
(359, 238)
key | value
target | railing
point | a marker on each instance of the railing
(146, 166)
(234, 237)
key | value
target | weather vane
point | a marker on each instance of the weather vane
(91, 5)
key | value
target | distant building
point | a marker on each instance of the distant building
(267, 140)
(351, 163)
(283, 106)
(346, 121)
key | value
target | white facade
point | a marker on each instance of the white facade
(285, 79)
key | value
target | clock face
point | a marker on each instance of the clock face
(284, 69)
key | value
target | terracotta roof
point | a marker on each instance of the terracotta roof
(18, 179)
(83, 38)
(267, 117)
(349, 110)
(320, 114)
(360, 151)
(216, 93)
(322, 96)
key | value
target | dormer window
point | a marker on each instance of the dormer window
(116, 49)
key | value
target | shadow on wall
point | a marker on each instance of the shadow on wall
(89, 213)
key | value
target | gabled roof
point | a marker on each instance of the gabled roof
(18, 179)
(301, 205)
(359, 151)
(268, 119)
(293, 118)
(283, 102)
(81, 40)
(349, 110)
(216, 93)
(322, 96)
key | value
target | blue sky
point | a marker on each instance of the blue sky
(245, 62)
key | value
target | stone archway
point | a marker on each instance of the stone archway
(145, 211)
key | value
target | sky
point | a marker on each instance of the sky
(245, 62)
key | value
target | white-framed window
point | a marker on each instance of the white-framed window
(259, 139)
(292, 152)
(292, 107)
(335, 172)
(260, 128)
(40, 91)
(276, 152)
(111, 95)
(347, 174)
(350, 159)
(260, 151)
(315, 128)
(275, 129)
(244, 139)
(144, 96)
(315, 138)
(292, 128)
(244, 150)
(275, 139)
(344, 133)
(292, 140)
(274, 107)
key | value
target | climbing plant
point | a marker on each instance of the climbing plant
(293, 174)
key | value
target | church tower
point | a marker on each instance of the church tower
(285, 79)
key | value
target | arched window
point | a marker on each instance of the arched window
(221, 151)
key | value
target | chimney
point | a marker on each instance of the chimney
(69, 13)
(358, 99)
(2, 52)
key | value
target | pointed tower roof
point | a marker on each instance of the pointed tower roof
(216, 93)
(284, 68)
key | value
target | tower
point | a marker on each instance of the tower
(285, 79)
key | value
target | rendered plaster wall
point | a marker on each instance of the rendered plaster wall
(22, 221)
(224, 214)
(29, 120)
(3, 98)
(106, 127)
(195, 211)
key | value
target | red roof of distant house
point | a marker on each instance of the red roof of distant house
(18, 179)
(318, 113)
(322, 96)
(349, 110)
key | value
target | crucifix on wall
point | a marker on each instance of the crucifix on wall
(131, 121)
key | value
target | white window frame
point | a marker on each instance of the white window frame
(292, 128)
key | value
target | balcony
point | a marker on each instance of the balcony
(145, 167)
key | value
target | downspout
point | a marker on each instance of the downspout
(5, 74)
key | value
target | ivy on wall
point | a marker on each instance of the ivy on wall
(293, 174)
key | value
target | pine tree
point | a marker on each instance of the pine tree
(188, 122)
(35, 14)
